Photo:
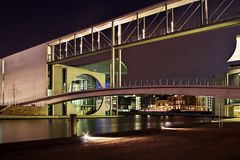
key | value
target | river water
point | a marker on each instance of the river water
(27, 130)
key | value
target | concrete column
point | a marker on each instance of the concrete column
(52, 52)
(119, 56)
(110, 97)
(119, 68)
(60, 49)
(206, 12)
(172, 21)
(113, 56)
(219, 102)
(138, 36)
(3, 70)
(227, 80)
(75, 45)
(144, 28)
(111, 105)
(66, 49)
(166, 9)
(81, 45)
(73, 125)
(92, 39)
(202, 11)
(99, 40)
(117, 106)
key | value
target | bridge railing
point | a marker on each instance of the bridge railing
(25, 99)
(174, 82)
(137, 83)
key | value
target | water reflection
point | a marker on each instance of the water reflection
(25, 130)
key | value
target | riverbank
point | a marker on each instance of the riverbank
(170, 113)
(15, 117)
(201, 141)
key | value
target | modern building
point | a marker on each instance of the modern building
(232, 107)
(63, 64)
(28, 75)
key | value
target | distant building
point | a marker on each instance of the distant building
(232, 106)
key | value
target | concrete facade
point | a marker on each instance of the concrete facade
(24, 74)
(71, 74)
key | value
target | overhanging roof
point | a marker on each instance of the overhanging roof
(236, 54)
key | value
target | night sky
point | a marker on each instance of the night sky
(28, 23)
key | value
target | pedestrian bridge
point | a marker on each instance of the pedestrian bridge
(194, 90)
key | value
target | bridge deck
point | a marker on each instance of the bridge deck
(216, 91)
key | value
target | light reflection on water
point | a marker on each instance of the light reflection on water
(25, 130)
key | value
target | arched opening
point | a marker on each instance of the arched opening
(88, 105)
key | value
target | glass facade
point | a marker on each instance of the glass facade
(88, 105)
(233, 79)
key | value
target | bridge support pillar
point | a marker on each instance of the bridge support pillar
(218, 106)
(73, 125)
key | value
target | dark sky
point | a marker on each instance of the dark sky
(28, 23)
